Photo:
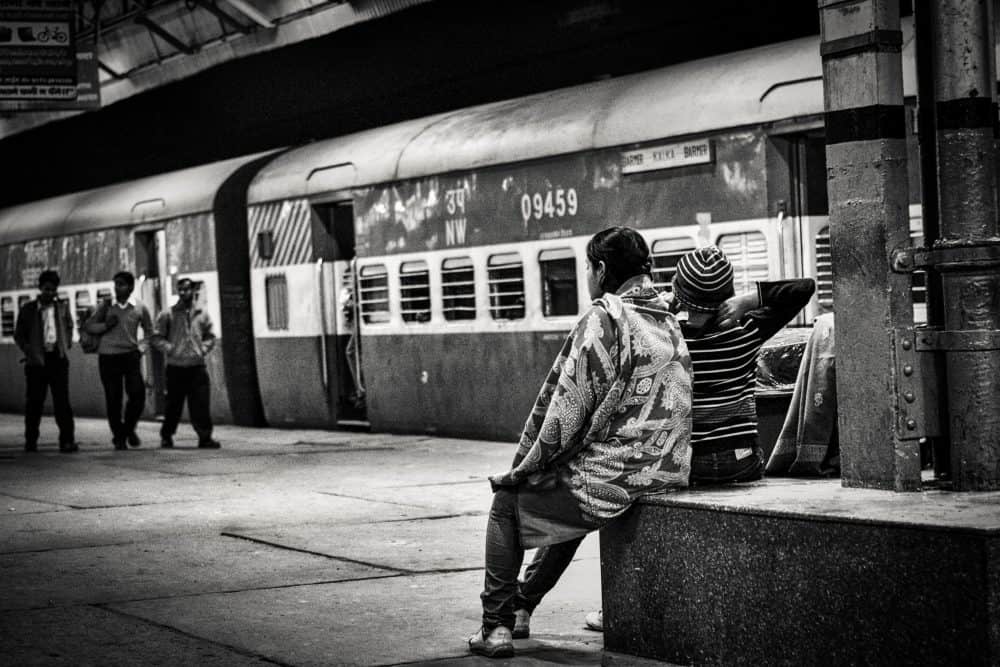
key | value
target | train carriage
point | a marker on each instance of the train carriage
(186, 223)
(463, 234)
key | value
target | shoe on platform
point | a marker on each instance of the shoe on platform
(522, 624)
(31, 447)
(595, 621)
(209, 444)
(167, 442)
(133, 439)
(119, 443)
(68, 447)
(498, 644)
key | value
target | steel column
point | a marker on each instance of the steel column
(869, 201)
(964, 78)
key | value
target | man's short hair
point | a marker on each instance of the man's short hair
(48, 276)
(125, 277)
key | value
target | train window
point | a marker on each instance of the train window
(83, 306)
(824, 270)
(748, 253)
(276, 297)
(63, 295)
(374, 286)
(558, 270)
(918, 279)
(458, 289)
(505, 274)
(414, 291)
(104, 294)
(7, 316)
(666, 253)
(265, 244)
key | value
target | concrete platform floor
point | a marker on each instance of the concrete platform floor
(285, 547)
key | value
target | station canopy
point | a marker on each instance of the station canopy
(141, 45)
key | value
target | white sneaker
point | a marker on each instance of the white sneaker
(595, 621)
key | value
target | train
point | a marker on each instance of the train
(450, 248)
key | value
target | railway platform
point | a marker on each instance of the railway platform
(288, 547)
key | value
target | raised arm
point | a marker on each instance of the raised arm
(772, 305)
(780, 302)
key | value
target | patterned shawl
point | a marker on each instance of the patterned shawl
(612, 421)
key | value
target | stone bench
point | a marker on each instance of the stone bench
(805, 572)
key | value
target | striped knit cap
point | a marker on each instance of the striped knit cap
(704, 279)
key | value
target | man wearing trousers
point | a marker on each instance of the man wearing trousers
(120, 356)
(44, 332)
(184, 335)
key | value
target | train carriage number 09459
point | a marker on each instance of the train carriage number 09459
(551, 204)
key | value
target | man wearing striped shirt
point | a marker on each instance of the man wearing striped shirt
(724, 333)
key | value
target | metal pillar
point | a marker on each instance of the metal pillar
(869, 201)
(964, 78)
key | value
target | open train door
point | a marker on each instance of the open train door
(150, 263)
(341, 342)
(798, 203)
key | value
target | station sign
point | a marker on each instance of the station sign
(667, 156)
(42, 65)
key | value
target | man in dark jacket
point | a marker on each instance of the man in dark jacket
(44, 332)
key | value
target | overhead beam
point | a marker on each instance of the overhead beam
(112, 73)
(159, 31)
(209, 6)
(250, 12)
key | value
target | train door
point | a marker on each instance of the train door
(334, 249)
(150, 262)
(798, 200)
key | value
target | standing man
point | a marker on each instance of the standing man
(184, 335)
(44, 332)
(120, 356)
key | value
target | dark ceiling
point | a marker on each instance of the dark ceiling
(444, 55)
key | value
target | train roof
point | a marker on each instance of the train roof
(155, 198)
(745, 88)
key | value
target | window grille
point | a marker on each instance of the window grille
(276, 295)
(103, 294)
(918, 279)
(666, 253)
(748, 253)
(824, 270)
(7, 316)
(558, 271)
(414, 292)
(458, 289)
(373, 283)
(505, 275)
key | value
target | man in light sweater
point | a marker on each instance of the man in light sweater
(119, 358)
(184, 335)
